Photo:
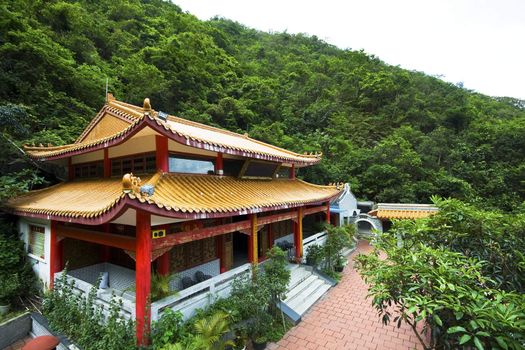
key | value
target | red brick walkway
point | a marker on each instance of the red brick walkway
(345, 319)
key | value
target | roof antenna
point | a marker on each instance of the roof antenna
(107, 82)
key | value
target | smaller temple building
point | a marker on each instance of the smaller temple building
(148, 192)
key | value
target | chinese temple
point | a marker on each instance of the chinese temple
(148, 192)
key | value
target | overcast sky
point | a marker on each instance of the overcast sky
(479, 43)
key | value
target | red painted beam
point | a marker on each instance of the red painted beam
(264, 220)
(70, 169)
(162, 154)
(328, 212)
(194, 235)
(292, 172)
(109, 239)
(313, 210)
(143, 276)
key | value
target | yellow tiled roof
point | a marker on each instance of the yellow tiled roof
(403, 211)
(174, 194)
(116, 120)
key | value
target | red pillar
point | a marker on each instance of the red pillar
(328, 212)
(143, 276)
(70, 169)
(162, 154)
(163, 261)
(252, 241)
(219, 241)
(292, 172)
(54, 254)
(219, 166)
(107, 163)
(270, 236)
(298, 234)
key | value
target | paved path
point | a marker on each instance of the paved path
(345, 319)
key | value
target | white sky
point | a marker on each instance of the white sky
(480, 43)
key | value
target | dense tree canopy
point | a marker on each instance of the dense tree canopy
(396, 135)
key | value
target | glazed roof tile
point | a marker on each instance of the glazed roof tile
(403, 211)
(117, 121)
(175, 195)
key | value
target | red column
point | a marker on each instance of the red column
(252, 241)
(107, 163)
(298, 235)
(270, 236)
(219, 241)
(162, 154)
(70, 169)
(143, 276)
(219, 167)
(163, 261)
(292, 172)
(54, 254)
(328, 212)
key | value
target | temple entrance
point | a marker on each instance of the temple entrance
(240, 249)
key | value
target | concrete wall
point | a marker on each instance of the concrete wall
(15, 329)
(40, 266)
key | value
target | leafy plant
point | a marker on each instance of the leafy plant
(314, 255)
(168, 329)
(450, 293)
(9, 287)
(160, 286)
(83, 320)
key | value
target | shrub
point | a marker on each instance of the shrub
(16, 275)
(167, 330)
(83, 320)
(432, 276)
(314, 255)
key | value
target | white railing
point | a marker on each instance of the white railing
(200, 295)
(104, 296)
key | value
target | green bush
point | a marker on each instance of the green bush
(17, 278)
(433, 276)
(314, 255)
(83, 321)
(167, 330)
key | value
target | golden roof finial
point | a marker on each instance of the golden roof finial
(147, 105)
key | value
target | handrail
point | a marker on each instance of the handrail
(209, 285)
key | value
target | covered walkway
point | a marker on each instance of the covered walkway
(345, 319)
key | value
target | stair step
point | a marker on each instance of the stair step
(316, 295)
(304, 295)
(298, 276)
(299, 288)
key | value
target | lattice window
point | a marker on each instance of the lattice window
(36, 242)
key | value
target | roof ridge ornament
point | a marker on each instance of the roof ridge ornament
(147, 105)
(130, 183)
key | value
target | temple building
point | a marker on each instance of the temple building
(148, 192)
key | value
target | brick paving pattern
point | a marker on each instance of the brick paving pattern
(345, 319)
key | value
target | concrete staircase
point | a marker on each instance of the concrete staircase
(305, 288)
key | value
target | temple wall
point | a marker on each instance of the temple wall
(40, 266)
(79, 254)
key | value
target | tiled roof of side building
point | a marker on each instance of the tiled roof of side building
(176, 195)
(117, 121)
(403, 211)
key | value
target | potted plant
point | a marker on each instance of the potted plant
(8, 289)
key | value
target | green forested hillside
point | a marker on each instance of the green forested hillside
(396, 135)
